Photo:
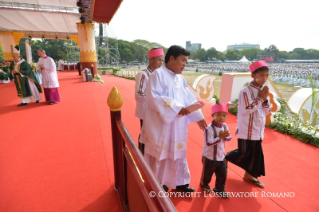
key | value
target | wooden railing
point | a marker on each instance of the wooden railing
(135, 182)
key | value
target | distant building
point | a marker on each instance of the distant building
(193, 46)
(243, 46)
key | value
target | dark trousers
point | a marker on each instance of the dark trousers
(249, 156)
(140, 145)
(209, 168)
(79, 67)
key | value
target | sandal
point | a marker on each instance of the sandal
(256, 183)
(206, 188)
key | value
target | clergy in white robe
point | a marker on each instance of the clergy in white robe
(50, 82)
(60, 64)
(165, 126)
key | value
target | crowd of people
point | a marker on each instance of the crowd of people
(165, 107)
(293, 73)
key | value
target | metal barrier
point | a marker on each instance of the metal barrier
(135, 182)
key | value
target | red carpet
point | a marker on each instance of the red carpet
(59, 157)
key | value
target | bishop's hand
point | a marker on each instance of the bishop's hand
(183, 112)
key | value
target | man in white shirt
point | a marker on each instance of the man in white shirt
(156, 59)
(165, 125)
(50, 82)
(60, 64)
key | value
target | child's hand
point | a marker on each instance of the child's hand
(263, 93)
(224, 134)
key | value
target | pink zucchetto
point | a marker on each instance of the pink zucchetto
(220, 108)
(155, 53)
(258, 64)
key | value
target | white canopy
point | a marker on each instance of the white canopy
(244, 60)
(48, 16)
(14, 20)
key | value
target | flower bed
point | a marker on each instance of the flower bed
(287, 122)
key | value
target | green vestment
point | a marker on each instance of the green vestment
(22, 82)
(5, 74)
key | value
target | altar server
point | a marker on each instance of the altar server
(156, 59)
(253, 106)
(50, 80)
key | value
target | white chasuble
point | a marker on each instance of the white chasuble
(164, 132)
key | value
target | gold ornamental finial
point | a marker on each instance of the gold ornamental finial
(115, 100)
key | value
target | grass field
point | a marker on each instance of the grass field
(285, 90)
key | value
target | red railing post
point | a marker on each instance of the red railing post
(125, 149)
(115, 103)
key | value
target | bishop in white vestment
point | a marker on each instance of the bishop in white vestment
(165, 126)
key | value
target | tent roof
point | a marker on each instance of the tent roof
(54, 16)
(243, 59)
(38, 21)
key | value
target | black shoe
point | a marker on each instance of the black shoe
(22, 104)
(52, 103)
(165, 187)
(185, 188)
(222, 194)
(37, 101)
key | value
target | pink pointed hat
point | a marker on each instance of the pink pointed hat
(258, 64)
(221, 108)
(155, 53)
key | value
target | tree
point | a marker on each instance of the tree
(271, 52)
(301, 52)
(212, 53)
(125, 51)
(220, 56)
(250, 54)
(283, 55)
(313, 54)
(201, 54)
(139, 52)
(56, 49)
(232, 55)
(193, 55)
(294, 55)
(146, 44)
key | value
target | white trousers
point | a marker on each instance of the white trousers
(35, 94)
(169, 172)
